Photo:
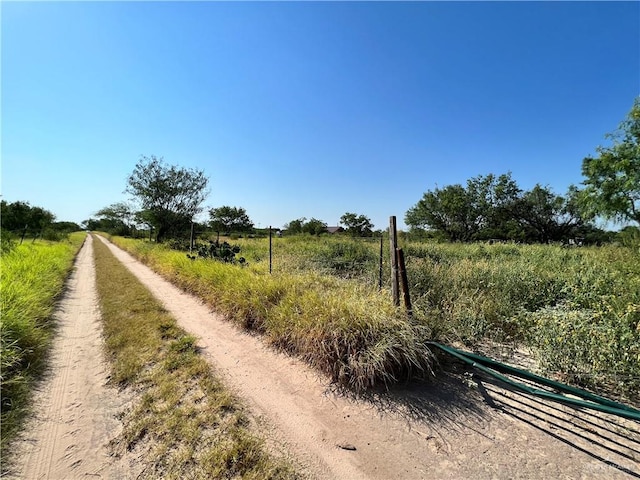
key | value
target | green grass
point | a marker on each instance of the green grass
(33, 276)
(183, 422)
(577, 309)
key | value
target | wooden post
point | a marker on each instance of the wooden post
(191, 242)
(24, 232)
(270, 248)
(404, 282)
(393, 240)
(380, 272)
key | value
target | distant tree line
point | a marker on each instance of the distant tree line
(357, 225)
(494, 207)
(117, 219)
(166, 200)
(313, 226)
(227, 219)
(491, 207)
(22, 220)
(352, 224)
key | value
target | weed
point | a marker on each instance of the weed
(33, 276)
(185, 423)
(461, 292)
(346, 329)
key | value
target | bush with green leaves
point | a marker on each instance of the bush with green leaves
(7, 241)
(576, 309)
(223, 252)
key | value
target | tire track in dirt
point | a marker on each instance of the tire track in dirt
(451, 431)
(75, 412)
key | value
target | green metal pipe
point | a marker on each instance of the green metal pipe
(501, 367)
(488, 366)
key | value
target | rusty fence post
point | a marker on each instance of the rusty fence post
(404, 281)
(393, 240)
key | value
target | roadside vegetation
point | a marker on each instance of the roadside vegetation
(33, 276)
(183, 421)
(347, 329)
(22, 222)
(577, 310)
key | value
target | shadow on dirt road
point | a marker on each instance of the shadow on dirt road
(608, 440)
(459, 399)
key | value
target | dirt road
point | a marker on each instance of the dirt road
(459, 427)
(75, 412)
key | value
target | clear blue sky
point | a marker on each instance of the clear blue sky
(298, 109)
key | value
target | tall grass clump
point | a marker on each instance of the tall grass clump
(183, 421)
(345, 258)
(32, 278)
(344, 328)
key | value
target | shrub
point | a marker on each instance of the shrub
(590, 347)
(7, 242)
(344, 258)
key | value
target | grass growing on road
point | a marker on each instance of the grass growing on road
(33, 276)
(185, 423)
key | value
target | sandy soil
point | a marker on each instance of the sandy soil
(460, 426)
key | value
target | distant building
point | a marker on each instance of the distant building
(335, 230)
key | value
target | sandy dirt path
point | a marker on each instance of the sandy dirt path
(463, 427)
(75, 412)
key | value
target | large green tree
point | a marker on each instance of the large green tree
(169, 195)
(357, 225)
(447, 210)
(547, 217)
(294, 226)
(494, 207)
(230, 219)
(612, 178)
(117, 219)
(482, 209)
(493, 199)
(20, 217)
(314, 227)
